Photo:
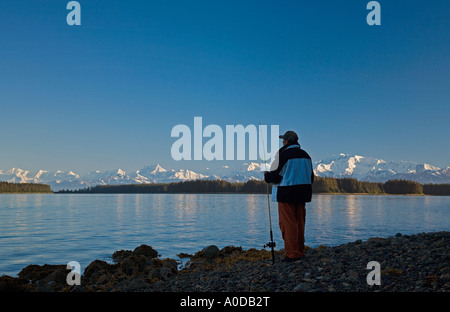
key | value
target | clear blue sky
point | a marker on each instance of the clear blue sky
(106, 94)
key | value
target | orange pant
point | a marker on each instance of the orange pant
(292, 224)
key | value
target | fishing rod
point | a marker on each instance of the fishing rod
(270, 244)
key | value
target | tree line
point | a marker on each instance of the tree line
(350, 185)
(436, 189)
(193, 186)
(6, 187)
(320, 185)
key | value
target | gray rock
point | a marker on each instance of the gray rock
(211, 252)
(352, 276)
(78, 288)
(165, 273)
(146, 251)
(137, 284)
(302, 287)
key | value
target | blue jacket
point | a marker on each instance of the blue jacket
(292, 176)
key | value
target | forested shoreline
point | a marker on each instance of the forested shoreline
(6, 187)
(320, 186)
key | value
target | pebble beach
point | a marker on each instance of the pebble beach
(408, 263)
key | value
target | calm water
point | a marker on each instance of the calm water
(56, 229)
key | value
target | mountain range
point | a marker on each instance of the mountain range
(340, 166)
(377, 170)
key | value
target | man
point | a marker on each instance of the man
(293, 175)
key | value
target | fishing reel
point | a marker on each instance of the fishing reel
(270, 245)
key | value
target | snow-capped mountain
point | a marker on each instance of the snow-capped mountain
(342, 165)
(61, 180)
(378, 170)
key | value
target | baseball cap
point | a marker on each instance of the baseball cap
(290, 136)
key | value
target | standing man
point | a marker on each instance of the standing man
(292, 173)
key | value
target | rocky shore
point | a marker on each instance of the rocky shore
(415, 263)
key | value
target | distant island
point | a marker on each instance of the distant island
(320, 186)
(8, 188)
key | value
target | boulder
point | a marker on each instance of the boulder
(211, 252)
(133, 264)
(34, 272)
(120, 255)
(97, 268)
(8, 283)
(146, 251)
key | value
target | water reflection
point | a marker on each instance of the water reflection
(252, 207)
(185, 206)
(323, 205)
(119, 207)
(352, 212)
(252, 210)
(137, 204)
